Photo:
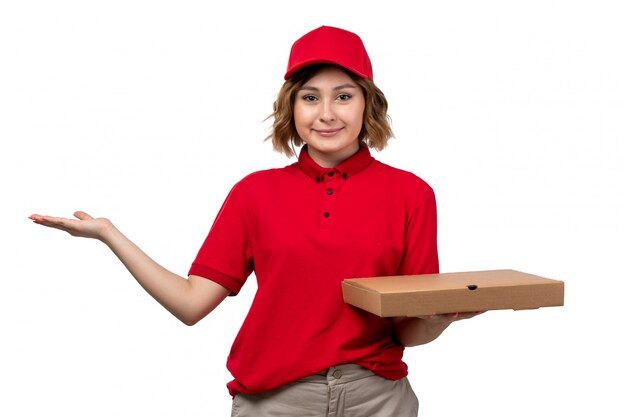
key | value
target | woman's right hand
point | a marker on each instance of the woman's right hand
(83, 226)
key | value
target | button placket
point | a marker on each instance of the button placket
(330, 184)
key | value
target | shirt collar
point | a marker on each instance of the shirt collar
(351, 166)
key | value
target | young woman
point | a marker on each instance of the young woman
(334, 214)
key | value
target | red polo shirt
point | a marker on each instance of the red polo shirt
(302, 229)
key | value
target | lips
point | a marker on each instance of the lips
(327, 132)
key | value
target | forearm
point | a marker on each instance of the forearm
(414, 331)
(187, 299)
(172, 291)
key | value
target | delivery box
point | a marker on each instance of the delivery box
(421, 295)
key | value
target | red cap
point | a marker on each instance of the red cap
(330, 45)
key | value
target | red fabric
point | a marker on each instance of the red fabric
(330, 45)
(301, 240)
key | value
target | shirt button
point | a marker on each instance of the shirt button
(330, 174)
(337, 374)
(345, 176)
(317, 179)
(329, 192)
(326, 214)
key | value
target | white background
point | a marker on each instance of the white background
(147, 112)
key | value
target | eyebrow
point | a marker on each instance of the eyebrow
(339, 87)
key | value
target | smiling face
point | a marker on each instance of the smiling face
(328, 115)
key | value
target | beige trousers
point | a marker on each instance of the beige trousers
(340, 391)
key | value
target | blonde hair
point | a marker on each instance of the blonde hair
(376, 130)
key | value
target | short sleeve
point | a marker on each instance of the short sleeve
(225, 256)
(420, 254)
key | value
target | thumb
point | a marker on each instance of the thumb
(81, 215)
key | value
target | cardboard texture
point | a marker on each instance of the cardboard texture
(422, 295)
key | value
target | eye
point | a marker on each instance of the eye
(344, 97)
(309, 97)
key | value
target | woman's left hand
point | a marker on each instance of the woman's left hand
(413, 331)
(449, 317)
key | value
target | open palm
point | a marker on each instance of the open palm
(82, 226)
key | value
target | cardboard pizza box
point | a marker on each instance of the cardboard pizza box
(421, 295)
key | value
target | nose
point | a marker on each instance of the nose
(327, 112)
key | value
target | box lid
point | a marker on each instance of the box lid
(412, 295)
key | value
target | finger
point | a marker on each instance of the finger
(82, 215)
(38, 218)
(56, 222)
(45, 218)
(445, 317)
(469, 315)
